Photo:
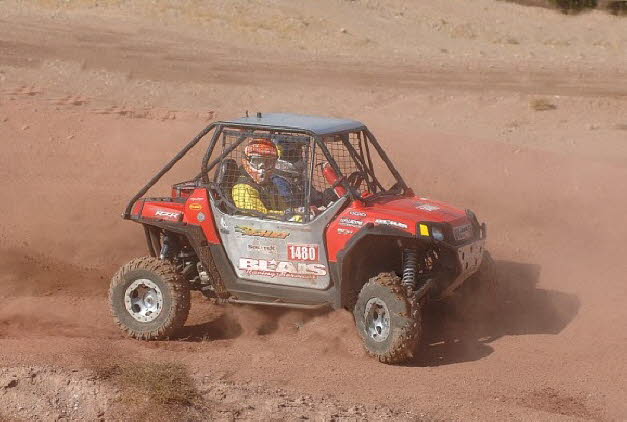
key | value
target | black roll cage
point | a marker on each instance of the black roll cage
(363, 162)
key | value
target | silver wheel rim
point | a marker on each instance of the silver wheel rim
(377, 318)
(143, 300)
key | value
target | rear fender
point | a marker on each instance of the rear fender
(192, 210)
(159, 209)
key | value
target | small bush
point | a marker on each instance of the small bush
(617, 7)
(574, 5)
(541, 104)
(158, 383)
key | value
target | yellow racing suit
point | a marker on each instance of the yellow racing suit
(248, 195)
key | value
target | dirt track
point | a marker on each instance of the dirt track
(91, 106)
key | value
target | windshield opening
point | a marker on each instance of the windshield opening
(360, 163)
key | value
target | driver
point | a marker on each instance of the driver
(254, 189)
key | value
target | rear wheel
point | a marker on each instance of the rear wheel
(388, 323)
(149, 299)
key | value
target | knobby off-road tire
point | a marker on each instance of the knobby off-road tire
(165, 286)
(385, 294)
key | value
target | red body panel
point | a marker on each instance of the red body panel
(195, 211)
(402, 213)
(198, 212)
(162, 210)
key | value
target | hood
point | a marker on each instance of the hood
(401, 213)
(411, 210)
(406, 212)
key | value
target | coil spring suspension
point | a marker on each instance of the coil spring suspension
(410, 267)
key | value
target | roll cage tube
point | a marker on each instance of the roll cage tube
(219, 126)
(166, 168)
(363, 167)
(204, 171)
(354, 195)
(386, 160)
(207, 167)
(366, 168)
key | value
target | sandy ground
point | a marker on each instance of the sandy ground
(93, 100)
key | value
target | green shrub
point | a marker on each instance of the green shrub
(617, 7)
(574, 5)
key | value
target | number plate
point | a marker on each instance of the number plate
(302, 252)
(462, 232)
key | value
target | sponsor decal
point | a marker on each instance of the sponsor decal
(357, 213)
(344, 231)
(462, 232)
(196, 199)
(391, 223)
(195, 206)
(276, 268)
(251, 231)
(201, 216)
(223, 223)
(302, 252)
(428, 207)
(167, 214)
(265, 249)
(351, 222)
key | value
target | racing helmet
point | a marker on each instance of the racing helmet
(290, 159)
(260, 157)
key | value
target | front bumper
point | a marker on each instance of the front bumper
(469, 257)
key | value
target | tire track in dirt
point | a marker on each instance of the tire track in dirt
(85, 45)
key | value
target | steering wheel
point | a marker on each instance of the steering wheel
(355, 179)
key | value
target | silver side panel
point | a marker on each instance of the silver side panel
(278, 252)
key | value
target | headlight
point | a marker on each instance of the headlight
(437, 234)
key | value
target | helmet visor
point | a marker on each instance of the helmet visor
(259, 162)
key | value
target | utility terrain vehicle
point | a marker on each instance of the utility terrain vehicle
(330, 224)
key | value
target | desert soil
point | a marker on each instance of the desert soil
(518, 113)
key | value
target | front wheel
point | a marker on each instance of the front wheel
(149, 299)
(387, 321)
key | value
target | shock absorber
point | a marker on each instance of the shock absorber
(169, 246)
(165, 247)
(410, 267)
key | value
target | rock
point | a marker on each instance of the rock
(10, 384)
(25, 127)
(343, 31)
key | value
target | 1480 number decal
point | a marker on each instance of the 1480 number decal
(302, 252)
